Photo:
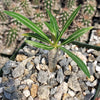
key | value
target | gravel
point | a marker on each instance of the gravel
(30, 79)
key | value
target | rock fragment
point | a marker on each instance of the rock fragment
(26, 93)
(42, 77)
(61, 89)
(43, 92)
(73, 83)
(34, 90)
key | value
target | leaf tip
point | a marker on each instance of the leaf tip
(88, 75)
(23, 34)
(91, 27)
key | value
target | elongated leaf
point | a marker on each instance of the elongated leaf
(39, 45)
(88, 46)
(69, 21)
(76, 35)
(53, 22)
(50, 28)
(83, 45)
(34, 35)
(27, 23)
(79, 62)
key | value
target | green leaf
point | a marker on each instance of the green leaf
(34, 35)
(85, 45)
(76, 35)
(39, 45)
(50, 28)
(79, 62)
(69, 21)
(28, 23)
(53, 22)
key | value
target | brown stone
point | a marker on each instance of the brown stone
(4, 79)
(20, 57)
(34, 90)
(26, 72)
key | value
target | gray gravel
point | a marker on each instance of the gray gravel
(67, 82)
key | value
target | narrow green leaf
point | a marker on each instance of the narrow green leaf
(69, 21)
(53, 22)
(50, 28)
(86, 45)
(39, 45)
(34, 35)
(79, 62)
(28, 23)
(76, 35)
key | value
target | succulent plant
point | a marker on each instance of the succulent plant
(53, 42)
(25, 5)
(11, 36)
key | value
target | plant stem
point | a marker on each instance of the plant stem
(52, 59)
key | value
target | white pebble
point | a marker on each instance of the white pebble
(93, 91)
(27, 81)
(90, 50)
(1, 89)
(26, 93)
(43, 61)
(94, 83)
(38, 67)
(71, 93)
(98, 68)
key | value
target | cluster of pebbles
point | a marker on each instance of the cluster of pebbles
(28, 77)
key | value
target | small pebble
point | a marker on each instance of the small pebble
(29, 66)
(98, 68)
(43, 92)
(91, 79)
(18, 71)
(61, 89)
(37, 60)
(93, 91)
(1, 89)
(27, 81)
(71, 93)
(63, 62)
(73, 83)
(60, 75)
(94, 83)
(42, 77)
(34, 90)
(53, 91)
(26, 93)
(20, 57)
(43, 61)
